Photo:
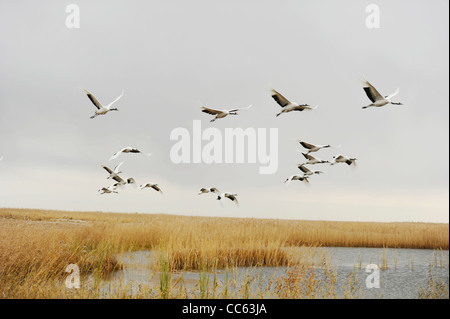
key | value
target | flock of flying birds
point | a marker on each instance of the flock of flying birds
(287, 106)
(114, 173)
(119, 181)
(377, 100)
(311, 160)
(214, 190)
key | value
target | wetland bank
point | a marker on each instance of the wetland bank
(215, 257)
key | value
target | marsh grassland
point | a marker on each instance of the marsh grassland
(37, 245)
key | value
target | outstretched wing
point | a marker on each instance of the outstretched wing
(301, 108)
(306, 145)
(303, 168)
(351, 161)
(119, 179)
(93, 99)
(390, 96)
(117, 168)
(116, 154)
(280, 99)
(117, 99)
(372, 92)
(210, 111)
(242, 108)
(107, 169)
(155, 187)
(232, 197)
(308, 156)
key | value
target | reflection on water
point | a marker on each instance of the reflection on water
(402, 272)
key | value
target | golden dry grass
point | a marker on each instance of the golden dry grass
(37, 245)
(147, 231)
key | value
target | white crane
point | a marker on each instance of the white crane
(151, 185)
(121, 183)
(288, 106)
(222, 113)
(230, 196)
(377, 99)
(114, 172)
(108, 190)
(297, 177)
(306, 171)
(343, 159)
(313, 160)
(101, 109)
(314, 148)
(128, 149)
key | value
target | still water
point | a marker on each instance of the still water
(401, 272)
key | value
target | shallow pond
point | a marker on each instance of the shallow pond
(401, 273)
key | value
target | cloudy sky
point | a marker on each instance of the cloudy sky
(171, 57)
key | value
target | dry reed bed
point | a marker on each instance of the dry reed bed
(34, 253)
(147, 230)
(37, 245)
(191, 242)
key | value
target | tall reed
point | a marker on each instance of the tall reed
(37, 245)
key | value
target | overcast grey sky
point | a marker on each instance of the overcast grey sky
(170, 57)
